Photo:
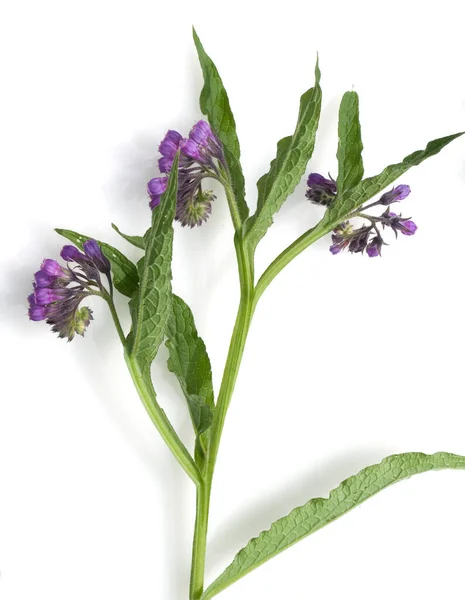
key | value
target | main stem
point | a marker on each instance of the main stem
(233, 361)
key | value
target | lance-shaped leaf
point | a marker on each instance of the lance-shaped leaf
(124, 272)
(349, 151)
(190, 363)
(353, 198)
(214, 103)
(151, 305)
(286, 170)
(319, 512)
(135, 240)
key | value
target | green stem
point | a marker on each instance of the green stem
(116, 320)
(233, 361)
(160, 420)
(233, 208)
(199, 546)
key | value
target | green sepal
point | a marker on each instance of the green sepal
(124, 272)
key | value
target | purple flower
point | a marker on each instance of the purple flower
(201, 133)
(395, 195)
(397, 223)
(94, 252)
(72, 254)
(341, 237)
(321, 190)
(52, 268)
(44, 296)
(41, 279)
(168, 147)
(374, 246)
(201, 157)
(156, 188)
(359, 239)
(58, 291)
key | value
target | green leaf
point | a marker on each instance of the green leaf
(349, 152)
(287, 168)
(135, 240)
(190, 363)
(319, 512)
(214, 103)
(124, 272)
(151, 305)
(352, 199)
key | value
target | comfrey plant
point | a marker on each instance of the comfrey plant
(355, 221)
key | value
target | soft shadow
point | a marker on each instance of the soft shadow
(250, 520)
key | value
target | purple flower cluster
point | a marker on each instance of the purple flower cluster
(321, 190)
(366, 238)
(58, 291)
(201, 156)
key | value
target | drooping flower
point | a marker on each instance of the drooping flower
(58, 291)
(341, 237)
(398, 223)
(321, 190)
(156, 188)
(168, 147)
(359, 239)
(395, 195)
(366, 238)
(374, 246)
(201, 157)
(202, 145)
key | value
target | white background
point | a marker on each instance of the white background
(349, 358)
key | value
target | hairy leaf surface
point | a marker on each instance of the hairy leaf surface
(124, 272)
(319, 512)
(349, 152)
(286, 170)
(214, 103)
(190, 363)
(151, 305)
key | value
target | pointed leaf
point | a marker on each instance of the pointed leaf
(353, 198)
(287, 168)
(124, 272)
(151, 305)
(135, 240)
(319, 512)
(214, 103)
(190, 363)
(349, 152)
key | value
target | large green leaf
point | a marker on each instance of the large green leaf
(349, 152)
(214, 103)
(124, 272)
(353, 198)
(319, 512)
(135, 240)
(151, 305)
(190, 363)
(286, 170)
